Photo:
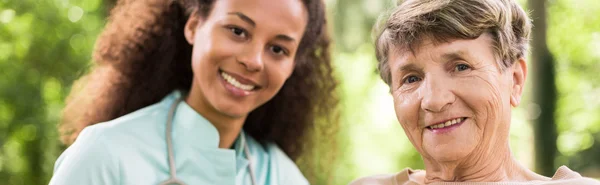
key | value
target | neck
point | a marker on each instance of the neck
(229, 128)
(496, 166)
(228, 132)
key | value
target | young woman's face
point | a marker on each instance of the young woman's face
(243, 52)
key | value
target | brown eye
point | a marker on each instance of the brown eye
(462, 67)
(238, 31)
(411, 79)
(278, 50)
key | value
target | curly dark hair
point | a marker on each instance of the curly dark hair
(142, 55)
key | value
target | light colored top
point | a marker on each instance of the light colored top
(407, 176)
(132, 150)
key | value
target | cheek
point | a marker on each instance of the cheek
(211, 49)
(197, 58)
(485, 96)
(406, 106)
(277, 73)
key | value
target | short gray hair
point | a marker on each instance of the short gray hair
(444, 20)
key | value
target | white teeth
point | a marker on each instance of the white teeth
(447, 123)
(236, 83)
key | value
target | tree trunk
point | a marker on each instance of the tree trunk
(544, 91)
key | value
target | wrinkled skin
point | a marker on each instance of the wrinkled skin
(459, 79)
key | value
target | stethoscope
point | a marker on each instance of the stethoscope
(173, 180)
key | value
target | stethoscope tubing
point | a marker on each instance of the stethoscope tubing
(173, 180)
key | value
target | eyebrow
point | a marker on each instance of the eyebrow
(408, 67)
(450, 56)
(454, 55)
(446, 57)
(251, 22)
(285, 38)
(244, 18)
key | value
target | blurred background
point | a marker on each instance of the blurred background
(46, 45)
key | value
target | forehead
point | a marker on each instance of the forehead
(428, 50)
(286, 15)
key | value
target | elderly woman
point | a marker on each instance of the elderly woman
(455, 68)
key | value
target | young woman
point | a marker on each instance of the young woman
(199, 92)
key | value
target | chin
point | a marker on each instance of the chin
(447, 157)
(449, 153)
(237, 114)
(234, 111)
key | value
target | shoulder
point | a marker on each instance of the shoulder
(96, 155)
(138, 119)
(564, 175)
(90, 144)
(141, 126)
(87, 160)
(127, 134)
(384, 179)
(280, 166)
(404, 177)
(288, 170)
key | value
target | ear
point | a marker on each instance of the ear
(519, 74)
(191, 26)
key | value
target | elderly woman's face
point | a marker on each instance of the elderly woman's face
(452, 99)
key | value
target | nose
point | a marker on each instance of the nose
(252, 57)
(437, 94)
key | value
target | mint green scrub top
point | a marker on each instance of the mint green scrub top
(132, 150)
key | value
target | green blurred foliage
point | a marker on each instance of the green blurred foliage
(574, 39)
(46, 45)
(374, 142)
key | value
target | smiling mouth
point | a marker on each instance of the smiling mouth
(237, 84)
(448, 123)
